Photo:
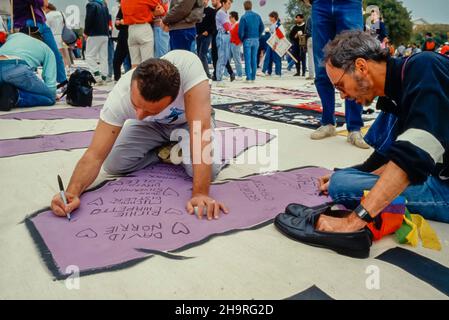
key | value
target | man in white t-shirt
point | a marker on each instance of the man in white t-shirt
(160, 101)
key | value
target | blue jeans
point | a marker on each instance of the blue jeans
(202, 48)
(430, 199)
(383, 132)
(32, 90)
(49, 39)
(250, 50)
(272, 57)
(224, 53)
(236, 56)
(77, 53)
(291, 63)
(182, 39)
(127, 63)
(161, 42)
(329, 18)
(110, 57)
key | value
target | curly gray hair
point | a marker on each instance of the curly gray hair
(348, 46)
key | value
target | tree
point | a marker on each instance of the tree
(396, 18)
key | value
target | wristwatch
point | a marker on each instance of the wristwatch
(363, 214)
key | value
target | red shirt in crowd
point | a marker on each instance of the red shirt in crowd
(138, 11)
(235, 35)
(445, 49)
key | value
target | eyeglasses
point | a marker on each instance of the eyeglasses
(338, 85)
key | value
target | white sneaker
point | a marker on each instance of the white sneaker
(324, 132)
(221, 84)
(98, 81)
(356, 138)
(238, 78)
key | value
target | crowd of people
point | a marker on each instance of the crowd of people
(429, 44)
(142, 29)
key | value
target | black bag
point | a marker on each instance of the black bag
(68, 35)
(79, 88)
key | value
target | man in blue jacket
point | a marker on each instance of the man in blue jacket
(96, 28)
(416, 164)
(250, 29)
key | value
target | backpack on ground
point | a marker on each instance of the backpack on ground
(79, 88)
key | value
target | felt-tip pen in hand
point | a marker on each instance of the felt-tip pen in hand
(61, 191)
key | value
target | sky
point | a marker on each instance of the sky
(433, 11)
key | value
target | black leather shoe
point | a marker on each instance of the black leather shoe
(302, 228)
(300, 210)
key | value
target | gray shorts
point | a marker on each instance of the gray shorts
(137, 147)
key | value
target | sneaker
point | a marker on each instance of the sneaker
(324, 132)
(310, 78)
(221, 84)
(356, 138)
(297, 74)
(60, 91)
(106, 79)
(232, 77)
(247, 81)
(164, 152)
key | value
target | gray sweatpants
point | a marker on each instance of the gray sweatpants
(137, 147)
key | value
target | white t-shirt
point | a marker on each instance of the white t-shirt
(118, 107)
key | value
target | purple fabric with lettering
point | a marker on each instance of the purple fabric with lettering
(80, 140)
(146, 210)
